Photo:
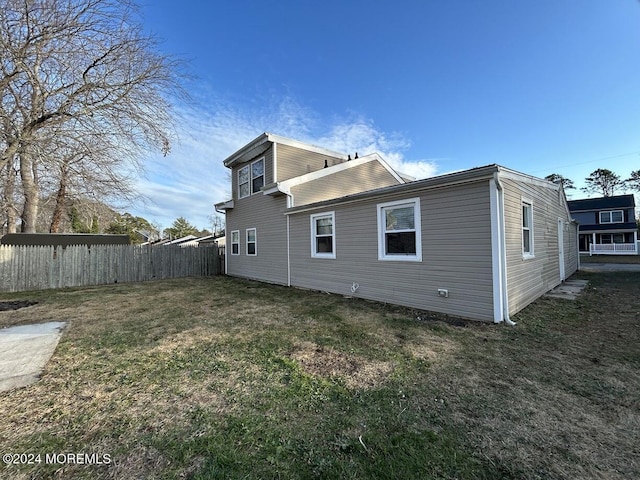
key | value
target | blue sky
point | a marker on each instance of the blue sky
(551, 86)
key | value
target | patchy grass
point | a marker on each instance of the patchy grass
(224, 378)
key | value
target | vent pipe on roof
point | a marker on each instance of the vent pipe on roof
(356, 155)
(349, 158)
(325, 163)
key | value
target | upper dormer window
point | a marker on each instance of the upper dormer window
(251, 178)
(614, 216)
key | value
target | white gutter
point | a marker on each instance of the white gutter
(504, 304)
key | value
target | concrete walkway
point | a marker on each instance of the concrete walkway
(24, 351)
(568, 290)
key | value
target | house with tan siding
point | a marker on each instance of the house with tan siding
(479, 244)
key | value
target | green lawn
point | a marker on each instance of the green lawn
(224, 378)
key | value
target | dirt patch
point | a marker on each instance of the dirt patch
(15, 305)
(357, 372)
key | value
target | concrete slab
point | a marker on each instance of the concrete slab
(569, 290)
(24, 351)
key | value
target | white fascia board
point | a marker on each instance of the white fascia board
(257, 147)
(538, 182)
(304, 146)
(239, 155)
(509, 174)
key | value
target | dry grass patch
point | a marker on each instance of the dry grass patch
(355, 371)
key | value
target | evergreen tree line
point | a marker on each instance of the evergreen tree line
(602, 181)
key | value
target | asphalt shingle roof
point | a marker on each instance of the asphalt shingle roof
(601, 203)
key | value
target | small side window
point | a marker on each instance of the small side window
(323, 235)
(399, 231)
(235, 242)
(243, 182)
(527, 229)
(252, 242)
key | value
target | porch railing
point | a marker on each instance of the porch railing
(613, 249)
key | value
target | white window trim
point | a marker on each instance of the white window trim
(264, 168)
(232, 242)
(382, 230)
(530, 254)
(255, 242)
(250, 167)
(249, 181)
(610, 212)
(313, 218)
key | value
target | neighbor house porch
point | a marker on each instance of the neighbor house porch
(618, 243)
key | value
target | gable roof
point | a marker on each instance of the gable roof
(285, 185)
(261, 144)
(601, 203)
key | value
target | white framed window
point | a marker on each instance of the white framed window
(613, 216)
(235, 242)
(257, 175)
(323, 235)
(251, 178)
(527, 229)
(252, 242)
(243, 182)
(399, 231)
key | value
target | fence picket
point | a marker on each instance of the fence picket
(42, 267)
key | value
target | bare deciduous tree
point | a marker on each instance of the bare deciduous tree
(81, 72)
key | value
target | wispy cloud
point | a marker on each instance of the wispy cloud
(191, 179)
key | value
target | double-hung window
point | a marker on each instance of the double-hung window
(251, 178)
(235, 242)
(244, 189)
(252, 242)
(399, 231)
(614, 216)
(527, 228)
(257, 176)
(323, 235)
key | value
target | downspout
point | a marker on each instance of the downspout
(289, 205)
(503, 251)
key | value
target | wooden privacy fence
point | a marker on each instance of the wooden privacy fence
(41, 267)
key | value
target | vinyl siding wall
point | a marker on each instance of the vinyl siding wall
(456, 253)
(367, 176)
(265, 214)
(293, 162)
(529, 278)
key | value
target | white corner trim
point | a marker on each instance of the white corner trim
(274, 162)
